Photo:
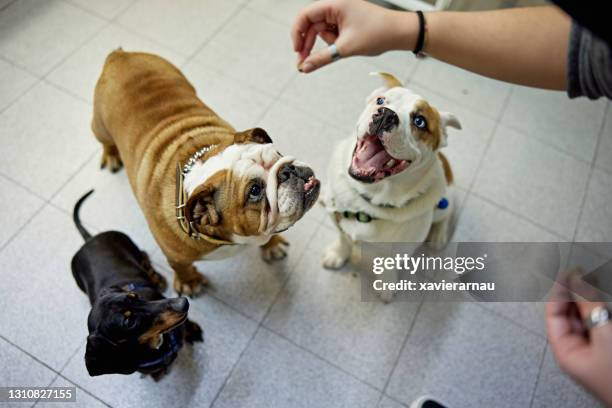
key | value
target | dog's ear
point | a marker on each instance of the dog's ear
(448, 119)
(103, 357)
(389, 80)
(200, 209)
(255, 135)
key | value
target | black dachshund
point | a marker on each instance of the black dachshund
(132, 326)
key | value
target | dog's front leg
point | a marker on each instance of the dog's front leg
(187, 280)
(338, 253)
(274, 249)
(439, 232)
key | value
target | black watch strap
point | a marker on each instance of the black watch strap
(421, 38)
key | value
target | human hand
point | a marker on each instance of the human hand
(355, 26)
(585, 355)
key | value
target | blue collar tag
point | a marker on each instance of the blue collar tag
(443, 204)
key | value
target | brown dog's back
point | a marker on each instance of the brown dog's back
(146, 108)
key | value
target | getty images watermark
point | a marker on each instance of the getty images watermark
(477, 271)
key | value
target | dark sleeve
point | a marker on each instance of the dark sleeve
(589, 65)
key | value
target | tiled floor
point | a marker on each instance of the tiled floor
(530, 165)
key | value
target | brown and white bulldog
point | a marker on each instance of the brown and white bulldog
(389, 182)
(205, 189)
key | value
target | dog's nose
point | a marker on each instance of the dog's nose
(286, 172)
(179, 305)
(383, 120)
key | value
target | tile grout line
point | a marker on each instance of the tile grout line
(85, 390)
(321, 358)
(96, 14)
(260, 323)
(24, 225)
(58, 374)
(402, 347)
(7, 5)
(537, 381)
(591, 172)
(509, 319)
(10, 179)
(46, 202)
(521, 216)
(484, 153)
(239, 7)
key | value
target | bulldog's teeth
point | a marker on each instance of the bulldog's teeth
(390, 163)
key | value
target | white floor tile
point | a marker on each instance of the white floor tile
(604, 152)
(38, 35)
(336, 94)
(466, 146)
(183, 25)
(471, 90)
(80, 72)
(557, 390)
(529, 315)
(534, 180)
(245, 281)
(14, 81)
(298, 134)
(387, 402)
(18, 206)
(235, 101)
(21, 370)
(467, 357)
(550, 116)
(284, 11)
(481, 221)
(45, 138)
(83, 399)
(323, 311)
(274, 373)
(195, 377)
(258, 57)
(111, 207)
(596, 220)
(44, 312)
(107, 9)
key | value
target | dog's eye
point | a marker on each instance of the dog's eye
(380, 101)
(420, 122)
(256, 192)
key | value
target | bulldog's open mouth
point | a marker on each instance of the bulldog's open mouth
(372, 163)
(311, 192)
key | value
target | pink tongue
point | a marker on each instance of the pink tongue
(371, 154)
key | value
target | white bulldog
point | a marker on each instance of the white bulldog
(389, 182)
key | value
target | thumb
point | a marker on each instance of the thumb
(318, 59)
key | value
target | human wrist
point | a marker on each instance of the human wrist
(405, 29)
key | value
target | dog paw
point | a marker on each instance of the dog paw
(335, 257)
(111, 159)
(438, 236)
(193, 332)
(191, 287)
(275, 249)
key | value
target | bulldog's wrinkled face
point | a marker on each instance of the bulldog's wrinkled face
(397, 131)
(249, 191)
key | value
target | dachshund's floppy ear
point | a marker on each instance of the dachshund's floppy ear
(103, 357)
(255, 135)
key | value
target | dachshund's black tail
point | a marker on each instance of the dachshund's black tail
(75, 216)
